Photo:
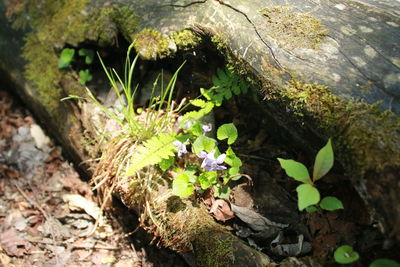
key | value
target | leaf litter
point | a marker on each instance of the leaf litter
(47, 211)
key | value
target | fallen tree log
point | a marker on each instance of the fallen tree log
(318, 65)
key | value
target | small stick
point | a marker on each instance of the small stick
(75, 245)
(30, 200)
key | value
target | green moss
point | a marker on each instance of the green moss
(186, 40)
(152, 44)
(217, 249)
(56, 23)
(126, 20)
(240, 67)
(293, 29)
(364, 135)
(42, 70)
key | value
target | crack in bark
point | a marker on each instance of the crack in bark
(255, 29)
(190, 4)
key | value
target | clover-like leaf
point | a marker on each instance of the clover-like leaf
(66, 57)
(323, 161)
(331, 203)
(296, 170)
(229, 131)
(307, 195)
(345, 255)
(203, 143)
(181, 186)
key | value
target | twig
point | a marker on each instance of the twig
(90, 246)
(30, 200)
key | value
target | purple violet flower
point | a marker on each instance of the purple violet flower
(210, 163)
(181, 147)
(207, 127)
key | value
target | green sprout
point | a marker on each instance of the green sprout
(88, 54)
(345, 255)
(66, 57)
(85, 76)
(308, 194)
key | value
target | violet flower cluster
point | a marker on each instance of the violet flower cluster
(210, 163)
(181, 147)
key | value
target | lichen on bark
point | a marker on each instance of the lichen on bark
(293, 29)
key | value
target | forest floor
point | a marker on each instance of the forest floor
(48, 213)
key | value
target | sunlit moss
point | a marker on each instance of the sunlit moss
(152, 44)
(293, 29)
(186, 39)
(57, 23)
(364, 135)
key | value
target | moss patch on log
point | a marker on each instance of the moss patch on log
(152, 44)
(293, 29)
(186, 39)
(42, 71)
(364, 134)
(57, 23)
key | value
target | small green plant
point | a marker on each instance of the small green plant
(345, 255)
(85, 76)
(226, 84)
(88, 54)
(212, 172)
(66, 57)
(203, 166)
(308, 194)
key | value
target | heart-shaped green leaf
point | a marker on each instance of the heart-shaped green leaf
(307, 195)
(66, 57)
(331, 203)
(345, 255)
(229, 131)
(203, 143)
(323, 161)
(296, 170)
(181, 186)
